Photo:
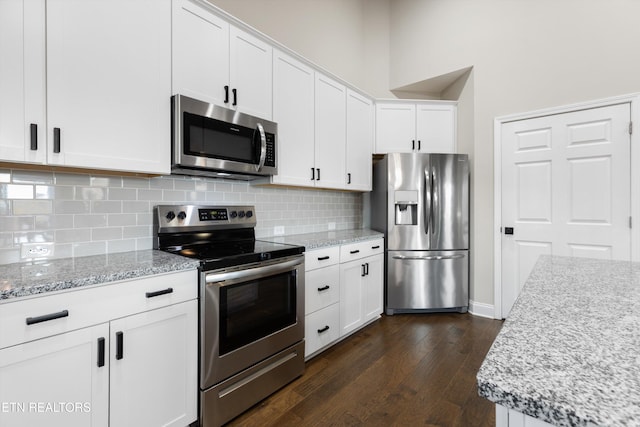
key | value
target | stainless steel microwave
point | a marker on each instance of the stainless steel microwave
(209, 140)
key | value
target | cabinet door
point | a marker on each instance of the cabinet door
(293, 110)
(351, 296)
(359, 142)
(330, 132)
(200, 56)
(395, 128)
(373, 287)
(56, 381)
(250, 74)
(154, 379)
(436, 128)
(22, 81)
(109, 84)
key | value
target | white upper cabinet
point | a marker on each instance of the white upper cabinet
(22, 81)
(293, 110)
(216, 62)
(330, 131)
(101, 98)
(360, 129)
(406, 127)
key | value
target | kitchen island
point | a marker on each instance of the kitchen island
(569, 352)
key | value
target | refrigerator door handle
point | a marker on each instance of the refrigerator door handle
(428, 258)
(427, 198)
(434, 200)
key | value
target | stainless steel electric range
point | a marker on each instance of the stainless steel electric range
(251, 305)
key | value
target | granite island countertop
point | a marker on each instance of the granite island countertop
(569, 351)
(33, 278)
(326, 238)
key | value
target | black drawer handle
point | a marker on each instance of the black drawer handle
(323, 258)
(47, 317)
(119, 345)
(375, 247)
(355, 252)
(325, 329)
(34, 136)
(226, 94)
(158, 293)
(56, 140)
(324, 288)
(100, 352)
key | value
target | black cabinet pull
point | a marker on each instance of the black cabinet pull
(226, 94)
(349, 178)
(363, 271)
(324, 288)
(313, 174)
(235, 96)
(375, 247)
(325, 329)
(418, 145)
(413, 144)
(100, 352)
(157, 293)
(56, 140)
(119, 345)
(323, 258)
(318, 174)
(47, 317)
(366, 269)
(355, 252)
(34, 136)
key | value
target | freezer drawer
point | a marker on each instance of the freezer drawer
(427, 281)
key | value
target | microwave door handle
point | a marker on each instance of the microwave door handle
(263, 147)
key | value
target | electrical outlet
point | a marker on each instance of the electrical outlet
(332, 226)
(36, 250)
(278, 230)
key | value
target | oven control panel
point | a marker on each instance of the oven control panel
(194, 217)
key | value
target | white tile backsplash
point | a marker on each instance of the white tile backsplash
(85, 214)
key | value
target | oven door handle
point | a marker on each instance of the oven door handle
(251, 273)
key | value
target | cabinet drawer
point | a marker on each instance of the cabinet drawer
(321, 328)
(361, 249)
(85, 307)
(321, 257)
(322, 288)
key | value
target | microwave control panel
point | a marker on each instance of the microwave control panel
(270, 159)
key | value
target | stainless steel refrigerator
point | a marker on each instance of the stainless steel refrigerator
(421, 203)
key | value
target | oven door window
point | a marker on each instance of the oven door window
(255, 309)
(207, 137)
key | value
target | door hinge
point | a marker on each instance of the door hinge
(630, 128)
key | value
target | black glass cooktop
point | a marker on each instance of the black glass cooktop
(216, 255)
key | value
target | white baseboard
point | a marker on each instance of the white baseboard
(481, 309)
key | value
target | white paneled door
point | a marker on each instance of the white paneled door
(566, 190)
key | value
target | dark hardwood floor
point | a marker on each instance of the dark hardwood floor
(402, 370)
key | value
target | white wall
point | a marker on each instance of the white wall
(526, 54)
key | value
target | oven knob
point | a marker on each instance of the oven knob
(182, 215)
(249, 214)
(241, 214)
(234, 214)
(170, 215)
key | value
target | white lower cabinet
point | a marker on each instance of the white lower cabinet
(113, 355)
(343, 291)
(506, 417)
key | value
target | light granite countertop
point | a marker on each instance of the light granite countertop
(33, 278)
(569, 351)
(326, 238)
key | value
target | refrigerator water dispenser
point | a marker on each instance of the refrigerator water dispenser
(406, 203)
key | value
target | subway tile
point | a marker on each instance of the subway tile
(16, 223)
(135, 206)
(144, 243)
(89, 248)
(231, 197)
(5, 207)
(62, 178)
(32, 177)
(144, 219)
(107, 233)
(32, 207)
(122, 193)
(73, 235)
(64, 250)
(9, 256)
(91, 193)
(151, 195)
(173, 196)
(33, 237)
(223, 186)
(71, 207)
(16, 191)
(136, 232)
(6, 240)
(52, 222)
(5, 175)
(106, 181)
(125, 245)
(133, 182)
(106, 206)
(120, 220)
(89, 220)
(182, 184)
(161, 182)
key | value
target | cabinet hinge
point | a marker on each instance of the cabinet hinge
(630, 128)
